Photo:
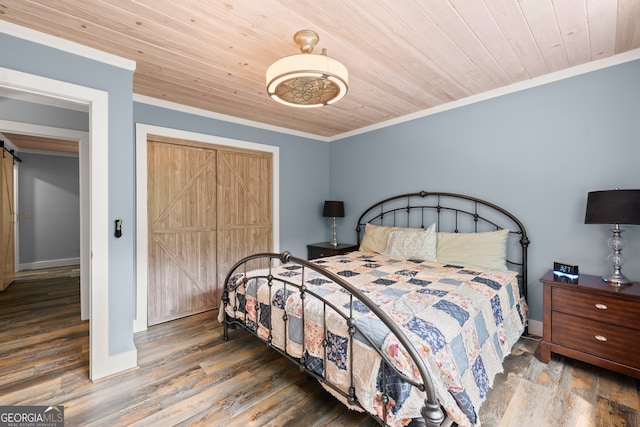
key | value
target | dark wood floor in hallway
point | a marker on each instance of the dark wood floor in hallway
(189, 376)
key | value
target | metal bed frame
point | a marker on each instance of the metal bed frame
(456, 213)
(450, 212)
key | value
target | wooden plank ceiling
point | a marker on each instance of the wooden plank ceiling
(403, 56)
(40, 143)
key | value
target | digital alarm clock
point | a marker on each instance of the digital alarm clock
(566, 271)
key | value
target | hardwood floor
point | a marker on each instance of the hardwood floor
(189, 376)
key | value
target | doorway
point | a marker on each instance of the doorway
(70, 142)
(94, 206)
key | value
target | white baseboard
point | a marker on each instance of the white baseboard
(535, 327)
(37, 265)
(114, 364)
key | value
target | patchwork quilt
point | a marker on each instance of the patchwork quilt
(463, 322)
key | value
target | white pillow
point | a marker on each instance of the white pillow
(415, 244)
(375, 238)
(486, 250)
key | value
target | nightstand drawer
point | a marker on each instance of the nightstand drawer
(599, 339)
(597, 307)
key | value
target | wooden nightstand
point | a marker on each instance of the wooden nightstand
(319, 250)
(592, 321)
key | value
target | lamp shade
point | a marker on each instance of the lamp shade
(613, 207)
(307, 80)
(333, 208)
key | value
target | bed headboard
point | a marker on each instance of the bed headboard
(452, 213)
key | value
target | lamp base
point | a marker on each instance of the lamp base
(617, 279)
(616, 242)
(334, 242)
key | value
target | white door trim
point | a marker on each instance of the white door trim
(101, 362)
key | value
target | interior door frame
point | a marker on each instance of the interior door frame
(101, 362)
(83, 162)
(142, 239)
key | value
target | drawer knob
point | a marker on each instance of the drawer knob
(601, 338)
(601, 306)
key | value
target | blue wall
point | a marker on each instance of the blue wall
(49, 204)
(537, 153)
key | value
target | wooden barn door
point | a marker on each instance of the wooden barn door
(182, 230)
(244, 207)
(208, 206)
(8, 222)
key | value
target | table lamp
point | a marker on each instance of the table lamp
(333, 208)
(614, 207)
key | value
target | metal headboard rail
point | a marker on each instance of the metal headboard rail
(480, 211)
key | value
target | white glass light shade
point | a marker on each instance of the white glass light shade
(307, 80)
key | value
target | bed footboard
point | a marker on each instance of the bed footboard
(241, 275)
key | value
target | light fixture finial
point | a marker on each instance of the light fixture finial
(307, 80)
(306, 40)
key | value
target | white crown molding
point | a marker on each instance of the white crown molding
(143, 99)
(66, 45)
(611, 61)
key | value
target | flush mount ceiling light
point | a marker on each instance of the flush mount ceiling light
(307, 80)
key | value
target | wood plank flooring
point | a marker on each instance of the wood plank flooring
(189, 376)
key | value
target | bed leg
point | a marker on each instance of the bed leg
(417, 422)
(432, 414)
(225, 326)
